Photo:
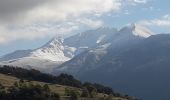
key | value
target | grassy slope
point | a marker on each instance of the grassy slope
(8, 81)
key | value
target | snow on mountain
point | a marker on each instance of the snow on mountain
(100, 38)
(44, 58)
(90, 38)
(58, 50)
(33, 63)
(122, 39)
(140, 31)
(101, 48)
(54, 51)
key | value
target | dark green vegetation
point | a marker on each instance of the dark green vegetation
(27, 91)
(25, 87)
(36, 75)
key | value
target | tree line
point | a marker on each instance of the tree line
(27, 91)
(88, 89)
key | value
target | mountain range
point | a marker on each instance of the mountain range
(58, 50)
(132, 59)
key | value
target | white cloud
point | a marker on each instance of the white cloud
(140, 1)
(31, 32)
(90, 23)
(38, 30)
(166, 16)
(51, 17)
(61, 10)
(164, 21)
(41, 18)
(2, 40)
(126, 12)
(136, 2)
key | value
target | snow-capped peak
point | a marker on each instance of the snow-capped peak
(53, 50)
(55, 42)
(139, 30)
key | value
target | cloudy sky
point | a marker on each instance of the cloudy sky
(27, 24)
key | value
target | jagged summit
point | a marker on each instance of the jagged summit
(54, 41)
(53, 50)
(138, 30)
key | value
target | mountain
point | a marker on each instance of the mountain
(58, 50)
(124, 38)
(131, 55)
(89, 39)
(51, 54)
(53, 51)
(139, 66)
(15, 55)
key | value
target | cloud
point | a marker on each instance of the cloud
(136, 2)
(32, 32)
(140, 1)
(36, 30)
(38, 10)
(166, 16)
(15, 9)
(164, 21)
(90, 23)
(32, 19)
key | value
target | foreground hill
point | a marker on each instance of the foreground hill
(8, 81)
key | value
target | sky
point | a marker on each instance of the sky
(28, 24)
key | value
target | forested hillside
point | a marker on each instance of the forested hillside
(18, 84)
